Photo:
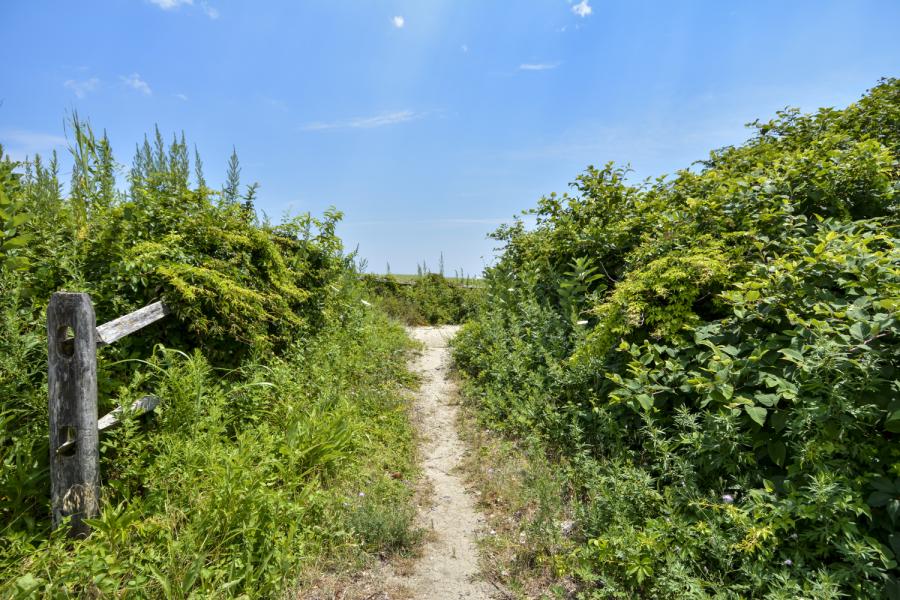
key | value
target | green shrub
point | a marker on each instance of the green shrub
(279, 389)
(716, 355)
(429, 299)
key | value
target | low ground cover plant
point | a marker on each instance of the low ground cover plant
(281, 418)
(713, 358)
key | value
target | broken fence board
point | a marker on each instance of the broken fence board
(141, 406)
(125, 325)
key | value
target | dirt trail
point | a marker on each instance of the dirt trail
(449, 565)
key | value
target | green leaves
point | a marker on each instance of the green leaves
(886, 496)
(645, 401)
(777, 451)
(792, 355)
(19, 241)
(13, 215)
(744, 330)
(859, 330)
(892, 420)
(757, 414)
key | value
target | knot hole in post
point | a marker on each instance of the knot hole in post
(67, 437)
(65, 340)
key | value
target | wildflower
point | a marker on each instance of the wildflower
(727, 498)
(362, 494)
(788, 562)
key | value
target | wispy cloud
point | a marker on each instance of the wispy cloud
(82, 87)
(208, 9)
(182, 97)
(20, 143)
(170, 4)
(582, 9)
(464, 48)
(398, 21)
(538, 66)
(135, 82)
(381, 120)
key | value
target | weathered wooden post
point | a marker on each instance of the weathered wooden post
(72, 381)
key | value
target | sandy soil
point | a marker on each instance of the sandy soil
(448, 568)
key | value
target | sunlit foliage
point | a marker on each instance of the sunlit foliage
(277, 386)
(715, 354)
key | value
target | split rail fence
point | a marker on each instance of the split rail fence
(73, 338)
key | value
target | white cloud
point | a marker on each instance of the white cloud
(464, 48)
(582, 9)
(382, 120)
(538, 66)
(398, 22)
(81, 88)
(19, 143)
(209, 10)
(134, 81)
(170, 4)
(182, 97)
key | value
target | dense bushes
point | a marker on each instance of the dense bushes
(278, 387)
(428, 299)
(715, 358)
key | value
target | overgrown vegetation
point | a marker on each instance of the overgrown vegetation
(426, 299)
(281, 424)
(712, 361)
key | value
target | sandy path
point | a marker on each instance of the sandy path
(449, 563)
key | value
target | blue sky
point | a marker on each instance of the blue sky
(430, 122)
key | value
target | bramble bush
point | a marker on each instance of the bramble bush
(280, 399)
(715, 358)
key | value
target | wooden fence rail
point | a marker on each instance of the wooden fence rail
(73, 338)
